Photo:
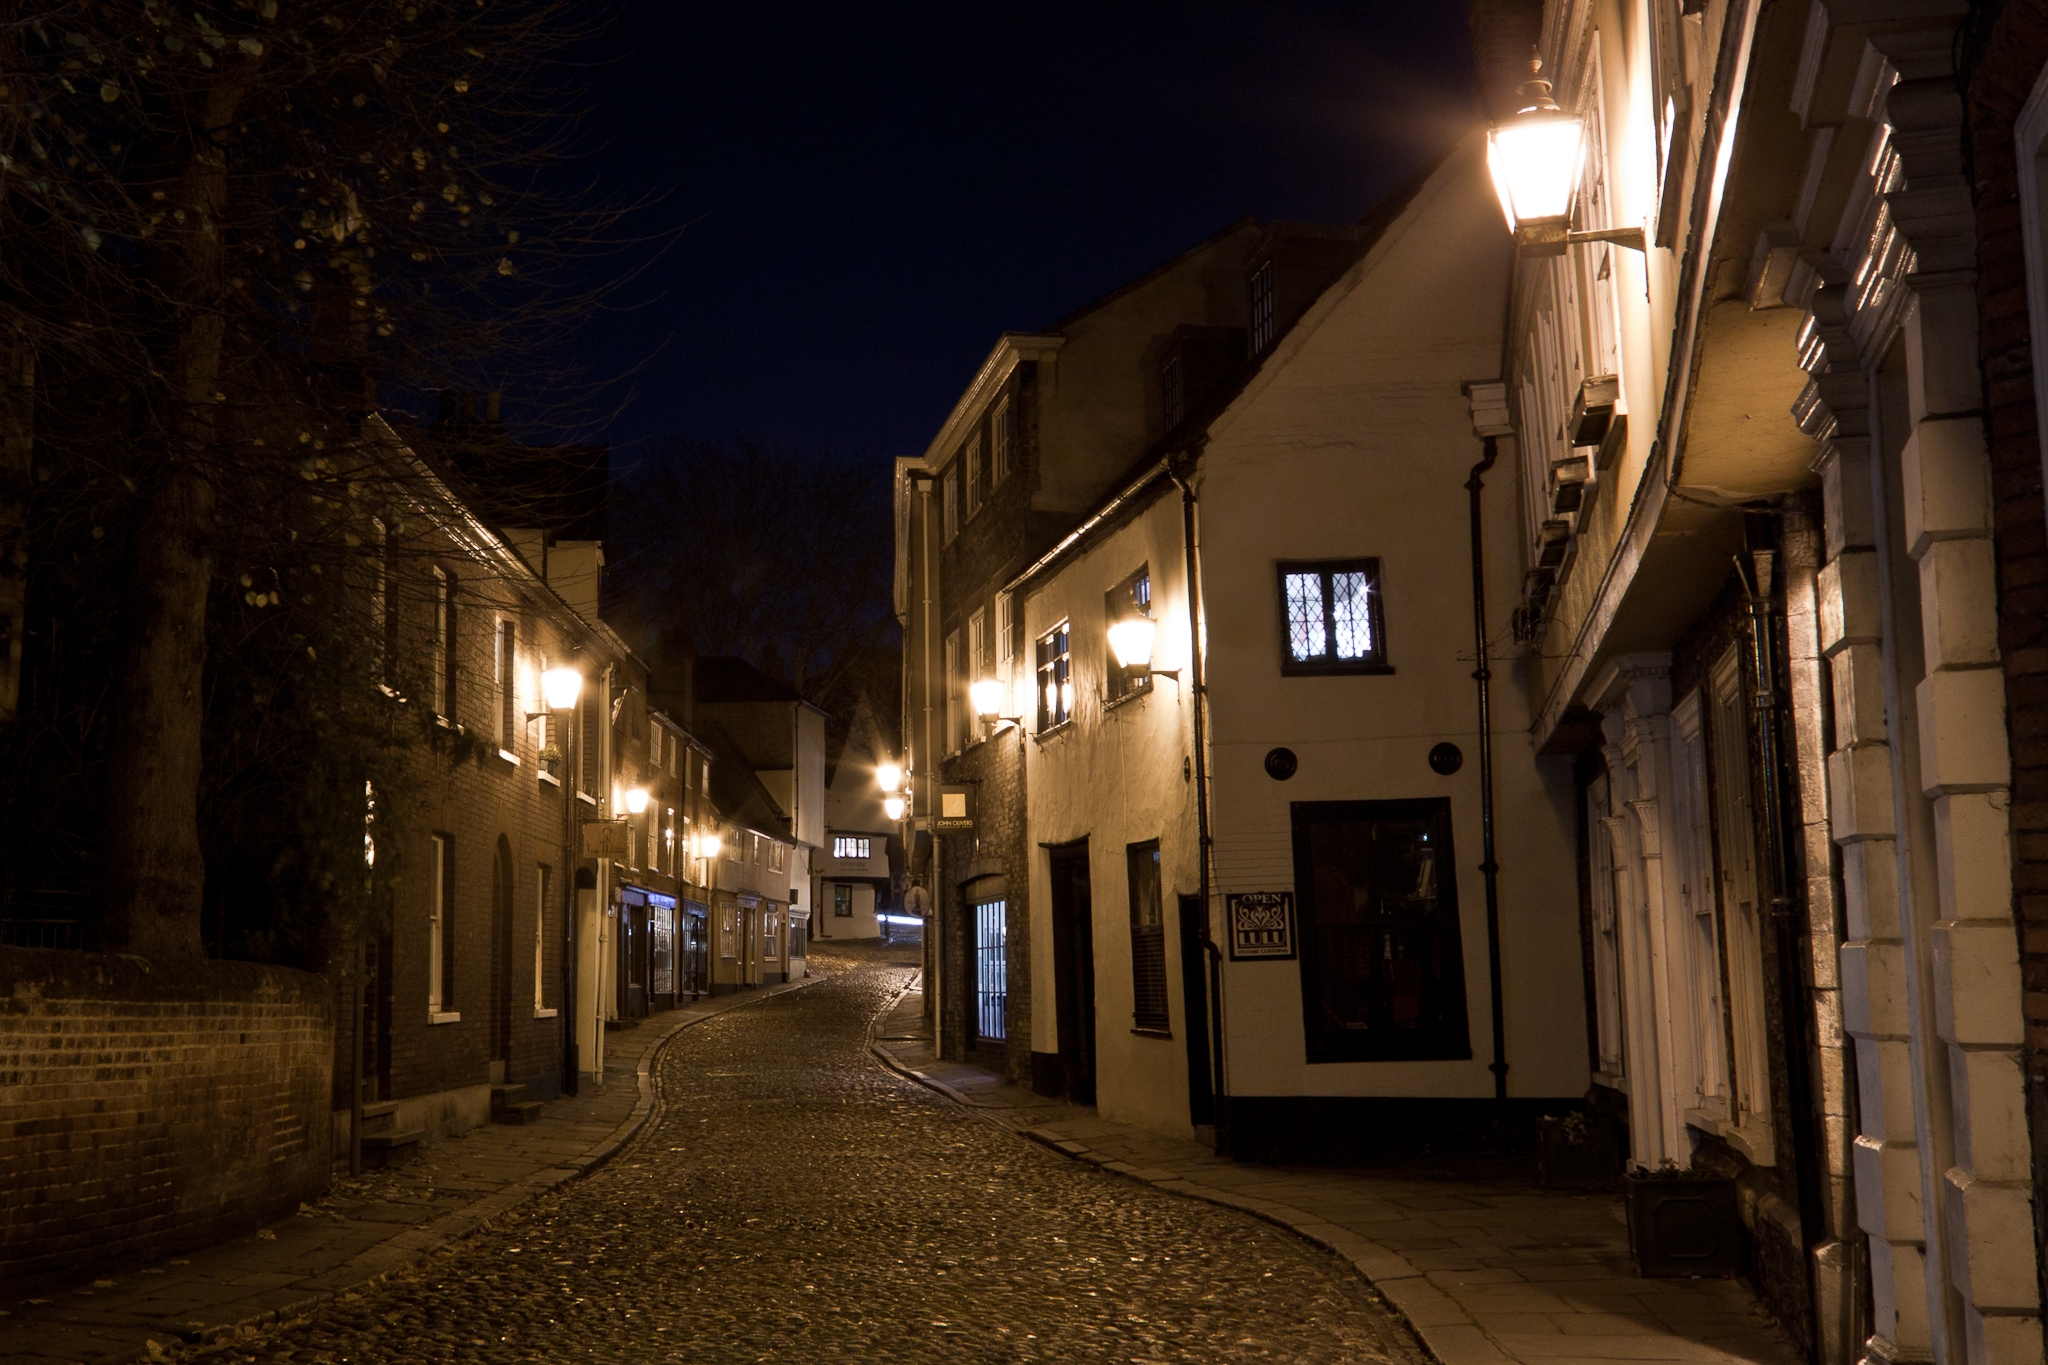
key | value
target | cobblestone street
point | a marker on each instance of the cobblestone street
(796, 1201)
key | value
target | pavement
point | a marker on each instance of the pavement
(366, 1228)
(1484, 1266)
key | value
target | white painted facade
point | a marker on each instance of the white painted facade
(1352, 439)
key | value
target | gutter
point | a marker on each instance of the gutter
(1161, 470)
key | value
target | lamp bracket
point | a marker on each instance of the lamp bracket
(1631, 237)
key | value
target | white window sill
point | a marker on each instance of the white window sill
(586, 798)
(443, 1016)
(508, 756)
(550, 779)
(545, 1014)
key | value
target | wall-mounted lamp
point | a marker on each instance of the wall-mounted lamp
(892, 806)
(636, 800)
(1535, 158)
(988, 697)
(889, 776)
(705, 846)
(560, 687)
(1131, 641)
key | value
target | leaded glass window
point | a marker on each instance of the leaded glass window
(1334, 621)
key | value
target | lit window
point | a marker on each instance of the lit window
(1333, 617)
(1128, 599)
(1262, 308)
(1055, 678)
(846, 846)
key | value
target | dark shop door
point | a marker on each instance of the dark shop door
(1073, 952)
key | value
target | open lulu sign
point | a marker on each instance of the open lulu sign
(1261, 925)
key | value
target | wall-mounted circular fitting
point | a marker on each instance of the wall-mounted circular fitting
(1280, 764)
(1445, 759)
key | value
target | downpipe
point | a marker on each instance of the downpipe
(1198, 693)
(1489, 866)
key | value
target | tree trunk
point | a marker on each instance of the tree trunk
(17, 443)
(155, 869)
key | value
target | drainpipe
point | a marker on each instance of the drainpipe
(1198, 693)
(1488, 866)
(1760, 536)
(572, 851)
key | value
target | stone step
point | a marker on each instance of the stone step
(505, 1093)
(516, 1111)
(385, 1150)
(381, 1117)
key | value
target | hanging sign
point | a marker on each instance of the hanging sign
(1261, 925)
(605, 839)
(956, 807)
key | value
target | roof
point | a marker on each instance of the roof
(730, 679)
(736, 791)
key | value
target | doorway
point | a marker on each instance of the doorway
(1073, 955)
(501, 962)
(1194, 995)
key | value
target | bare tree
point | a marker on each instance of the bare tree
(780, 557)
(218, 224)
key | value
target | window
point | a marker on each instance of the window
(1741, 908)
(991, 970)
(956, 696)
(542, 879)
(949, 498)
(768, 927)
(668, 840)
(976, 491)
(444, 645)
(1148, 939)
(1170, 396)
(848, 846)
(1128, 599)
(1333, 617)
(1701, 1031)
(1006, 638)
(980, 648)
(1055, 678)
(1382, 966)
(778, 856)
(842, 900)
(508, 684)
(1262, 308)
(441, 928)
(999, 442)
(728, 911)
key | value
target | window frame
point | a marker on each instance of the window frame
(1055, 669)
(843, 846)
(1261, 309)
(1323, 1045)
(999, 454)
(543, 892)
(842, 900)
(443, 651)
(949, 503)
(1151, 1003)
(1328, 664)
(976, 489)
(1128, 599)
(441, 932)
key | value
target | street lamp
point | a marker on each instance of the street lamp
(1535, 158)
(892, 806)
(636, 801)
(1131, 641)
(561, 687)
(708, 845)
(889, 776)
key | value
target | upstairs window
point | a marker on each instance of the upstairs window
(976, 492)
(1332, 609)
(1128, 600)
(949, 500)
(999, 442)
(1055, 678)
(508, 684)
(846, 846)
(1262, 308)
(444, 644)
(1006, 640)
(778, 856)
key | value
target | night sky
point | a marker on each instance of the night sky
(875, 190)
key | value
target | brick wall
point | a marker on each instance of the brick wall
(1998, 87)
(145, 1109)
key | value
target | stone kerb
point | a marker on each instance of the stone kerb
(150, 1108)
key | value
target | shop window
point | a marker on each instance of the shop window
(727, 914)
(1148, 939)
(1055, 678)
(842, 901)
(849, 846)
(1382, 967)
(1333, 617)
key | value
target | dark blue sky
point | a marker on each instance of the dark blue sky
(877, 189)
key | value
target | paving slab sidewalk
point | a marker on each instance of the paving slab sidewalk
(365, 1229)
(1485, 1267)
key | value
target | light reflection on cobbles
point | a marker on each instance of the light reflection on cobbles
(796, 1202)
